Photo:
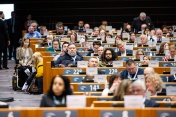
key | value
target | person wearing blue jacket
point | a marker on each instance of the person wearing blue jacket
(69, 58)
(132, 71)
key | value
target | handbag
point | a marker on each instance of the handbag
(33, 87)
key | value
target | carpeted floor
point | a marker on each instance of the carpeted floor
(21, 99)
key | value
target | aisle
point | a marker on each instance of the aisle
(21, 99)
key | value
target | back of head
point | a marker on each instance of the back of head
(137, 83)
(37, 57)
(129, 62)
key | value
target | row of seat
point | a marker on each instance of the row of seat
(88, 112)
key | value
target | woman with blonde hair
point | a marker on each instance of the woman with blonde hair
(146, 60)
(154, 84)
(138, 53)
(125, 88)
(38, 65)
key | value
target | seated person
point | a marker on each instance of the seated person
(96, 45)
(170, 30)
(163, 47)
(24, 53)
(154, 84)
(107, 57)
(43, 30)
(38, 65)
(96, 32)
(82, 40)
(55, 46)
(172, 50)
(132, 71)
(100, 52)
(148, 70)
(147, 31)
(114, 82)
(118, 37)
(146, 60)
(127, 29)
(144, 40)
(56, 95)
(139, 88)
(86, 26)
(86, 46)
(32, 33)
(123, 89)
(158, 36)
(132, 37)
(69, 58)
(122, 49)
(80, 26)
(107, 37)
(44, 43)
(73, 37)
(60, 30)
(93, 62)
(64, 49)
(138, 53)
(143, 26)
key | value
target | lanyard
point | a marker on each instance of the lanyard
(174, 77)
(74, 60)
(134, 78)
(57, 102)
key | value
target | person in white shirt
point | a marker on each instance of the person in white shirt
(122, 49)
(158, 36)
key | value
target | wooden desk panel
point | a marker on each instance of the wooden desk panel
(41, 49)
(109, 103)
(89, 112)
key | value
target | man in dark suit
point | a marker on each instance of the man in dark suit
(142, 19)
(80, 26)
(139, 88)
(4, 41)
(122, 49)
(14, 29)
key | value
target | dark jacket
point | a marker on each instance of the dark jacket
(4, 36)
(124, 73)
(89, 53)
(136, 24)
(171, 79)
(127, 52)
(82, 29)
(151, 103)
(47, 101)
(66, 59)
(17, 27)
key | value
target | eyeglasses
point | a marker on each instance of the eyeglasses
(137, 90)
(108, 53)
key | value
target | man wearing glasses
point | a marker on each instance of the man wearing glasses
(139, 88)
(132, 71)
